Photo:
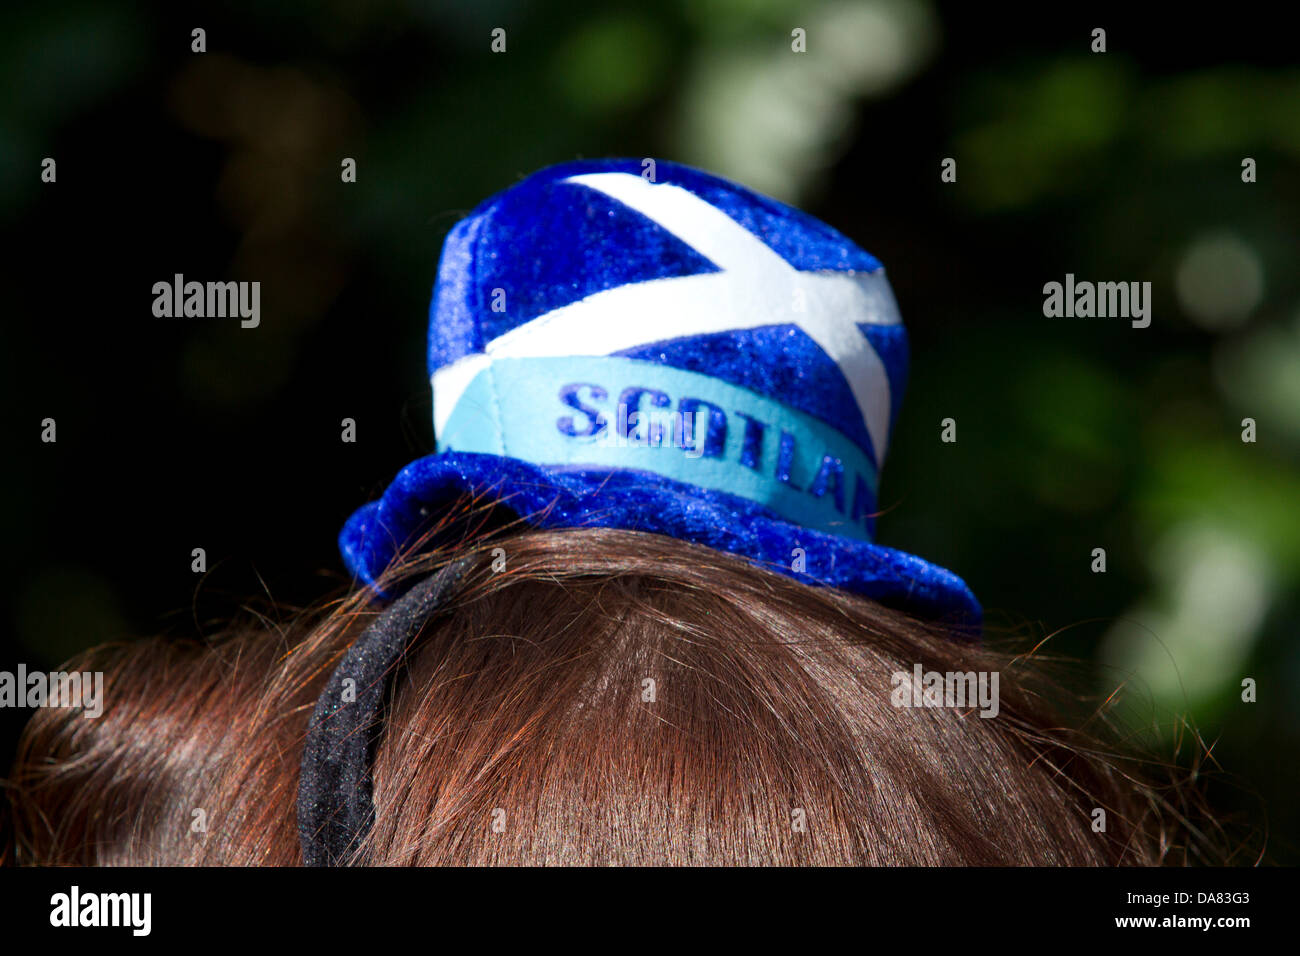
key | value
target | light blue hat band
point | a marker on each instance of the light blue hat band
(613, 412)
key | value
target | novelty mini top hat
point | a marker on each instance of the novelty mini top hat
(649, 347)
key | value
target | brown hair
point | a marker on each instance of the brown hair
(608, 697)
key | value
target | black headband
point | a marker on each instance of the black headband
(335, 807)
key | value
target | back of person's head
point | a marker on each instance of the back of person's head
(607, 697)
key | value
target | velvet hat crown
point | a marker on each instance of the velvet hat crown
(645, 346)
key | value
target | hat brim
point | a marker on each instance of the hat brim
(577, 497)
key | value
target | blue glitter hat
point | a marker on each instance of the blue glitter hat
(618, 345)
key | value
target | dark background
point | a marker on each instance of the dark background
(1072, 433)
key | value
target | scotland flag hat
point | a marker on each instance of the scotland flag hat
(644, 346)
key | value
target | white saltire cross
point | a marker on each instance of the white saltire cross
(754, 288)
